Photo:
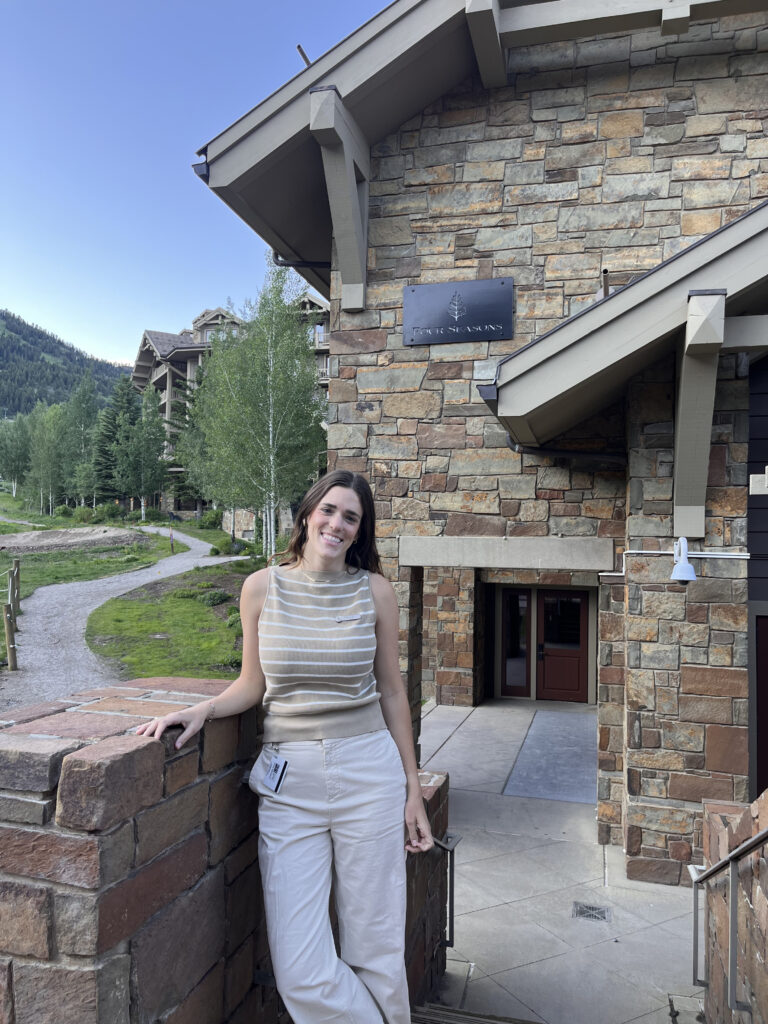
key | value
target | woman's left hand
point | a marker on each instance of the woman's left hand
(417, 825)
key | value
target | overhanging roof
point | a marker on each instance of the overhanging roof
(267, 166)
(582, 365)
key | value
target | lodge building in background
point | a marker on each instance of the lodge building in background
(544, 238)
(170, 363)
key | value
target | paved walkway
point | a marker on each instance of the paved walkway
(54, 659)
(522, 864)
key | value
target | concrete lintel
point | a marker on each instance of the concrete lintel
(551, 553)
(483, 21)
(675, 19)
(347, 168)
(705, 326)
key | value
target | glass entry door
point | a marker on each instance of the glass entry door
(516, 643)
(561, 645)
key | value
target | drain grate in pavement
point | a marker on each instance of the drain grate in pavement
(588, 912)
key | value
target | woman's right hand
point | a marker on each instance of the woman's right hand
(192, 719)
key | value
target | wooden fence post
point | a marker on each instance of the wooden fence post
(16, 600)
(10, 641)
(11, 608)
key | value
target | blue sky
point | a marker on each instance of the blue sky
(105, 231)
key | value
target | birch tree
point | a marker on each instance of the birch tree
(14, 450)
(44, 479)
(255, 433)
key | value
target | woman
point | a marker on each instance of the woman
(337, 771)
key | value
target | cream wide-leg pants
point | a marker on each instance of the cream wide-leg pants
(338, 817)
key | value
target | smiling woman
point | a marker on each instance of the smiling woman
(320, 652)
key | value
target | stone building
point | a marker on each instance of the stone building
(585, 198)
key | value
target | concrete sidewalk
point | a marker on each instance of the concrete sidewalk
(525, 861)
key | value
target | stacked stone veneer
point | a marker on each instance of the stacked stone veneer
(129, 884)
(726, 827)
(673, 685)
(610, 153)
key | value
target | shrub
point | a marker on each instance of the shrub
(213, 597)
(185, 593)
(211, 519)
(154, 515)
(63, 510)
(82, 514)
(106, 512)
(214, 551)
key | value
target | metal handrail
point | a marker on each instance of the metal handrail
(448, 845)
(699, 876)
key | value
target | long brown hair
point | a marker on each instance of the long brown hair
(362, 554)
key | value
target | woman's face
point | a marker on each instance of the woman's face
(333, 525)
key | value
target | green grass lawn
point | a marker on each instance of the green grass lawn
(18, 508)
(12, 528)
(213, 537)
(38, 570)
(166, 629)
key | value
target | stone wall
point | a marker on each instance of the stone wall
(681, 652)
(727, 826)
(611, 153)
(129, 884)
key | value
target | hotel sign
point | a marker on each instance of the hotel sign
(458, 311)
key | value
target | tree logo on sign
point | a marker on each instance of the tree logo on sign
(456, 307)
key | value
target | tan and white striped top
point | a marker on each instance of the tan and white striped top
(317, 642)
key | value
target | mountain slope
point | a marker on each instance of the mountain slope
(38, 366)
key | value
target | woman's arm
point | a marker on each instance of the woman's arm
(396, 710)
(246, 691)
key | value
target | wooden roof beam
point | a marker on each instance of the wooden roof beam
(483, 21)
(697, 379)
(557, 20)
(347, 168)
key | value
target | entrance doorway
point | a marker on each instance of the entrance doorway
(544, 644)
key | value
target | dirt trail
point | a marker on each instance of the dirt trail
(54, 659)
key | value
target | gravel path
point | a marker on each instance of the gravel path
(54, 659)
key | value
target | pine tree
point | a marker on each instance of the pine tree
(79, 428)
(123, 402)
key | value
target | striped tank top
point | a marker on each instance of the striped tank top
(317, 642)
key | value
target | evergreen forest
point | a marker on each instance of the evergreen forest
(36, 366)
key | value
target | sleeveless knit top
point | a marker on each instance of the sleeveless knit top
(317, 643)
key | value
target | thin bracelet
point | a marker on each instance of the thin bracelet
(211, 712)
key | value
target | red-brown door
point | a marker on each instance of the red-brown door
(561, 645)
(515, 643)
